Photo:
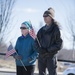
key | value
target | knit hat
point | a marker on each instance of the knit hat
(27, 24)
(50, 12)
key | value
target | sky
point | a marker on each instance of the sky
(32, 10)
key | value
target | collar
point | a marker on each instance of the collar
(25, 36)
(49, 28)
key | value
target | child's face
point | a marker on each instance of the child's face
(24, 30)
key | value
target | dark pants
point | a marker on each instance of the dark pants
(22, 71)
(49, 63)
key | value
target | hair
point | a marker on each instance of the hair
(56, 22)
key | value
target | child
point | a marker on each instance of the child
(26, 51)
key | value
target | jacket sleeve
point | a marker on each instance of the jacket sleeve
(57, 44)
(16, 48)
(34, 55)
(37, 46)
(37, 41)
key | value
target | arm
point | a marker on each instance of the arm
(16, 56)
(34, 55)
(40, 49)
(16, 47)
(58, 43)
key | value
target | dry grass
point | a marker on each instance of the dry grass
(9, 63)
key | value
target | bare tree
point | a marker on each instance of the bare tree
(5, 13)
(72, 32)
(6, 7)
(69, 23)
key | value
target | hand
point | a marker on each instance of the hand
(18, 57)
(42, 50)
(29, 59)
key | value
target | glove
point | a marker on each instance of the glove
(43, 52)
(18, 57)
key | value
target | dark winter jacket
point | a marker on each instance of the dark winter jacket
(49, 39)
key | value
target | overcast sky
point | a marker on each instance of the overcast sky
(25, 10)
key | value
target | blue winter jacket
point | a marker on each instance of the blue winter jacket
(25, 47)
